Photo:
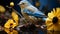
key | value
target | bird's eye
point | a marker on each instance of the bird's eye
(22, 4)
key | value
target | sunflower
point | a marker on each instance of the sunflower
(53, 20)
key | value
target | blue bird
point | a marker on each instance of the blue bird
(30, 10)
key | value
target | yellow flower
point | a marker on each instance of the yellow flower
(8, 24)
(10, 32)
(53, 20)
(15, 17)
(2, 9)
(11, 4)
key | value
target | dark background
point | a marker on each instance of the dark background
(44, 4)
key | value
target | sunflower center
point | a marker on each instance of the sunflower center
(55, 20)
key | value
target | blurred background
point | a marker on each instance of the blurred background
(45, 6)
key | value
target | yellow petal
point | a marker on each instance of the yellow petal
(51, 15)
(59, 21)
(54, 11)
(57, 11)
(48, 22)
(57, 27)
(50, 28)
